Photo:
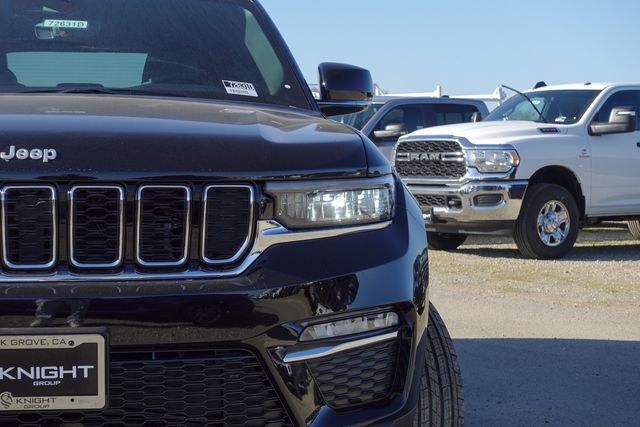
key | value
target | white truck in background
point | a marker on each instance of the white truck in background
(537, 167)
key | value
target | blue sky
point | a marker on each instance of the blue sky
(466, 46)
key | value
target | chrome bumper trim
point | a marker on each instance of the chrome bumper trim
(269, 233)
(294, 356)
(507, 210)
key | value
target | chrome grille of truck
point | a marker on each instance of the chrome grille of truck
(430, 159)
(124, 229)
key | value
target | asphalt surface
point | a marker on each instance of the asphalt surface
(538, 346)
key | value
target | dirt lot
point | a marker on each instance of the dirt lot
(545, 342)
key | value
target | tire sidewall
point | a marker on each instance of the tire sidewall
(537, 198)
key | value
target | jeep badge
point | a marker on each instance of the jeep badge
(44, 154)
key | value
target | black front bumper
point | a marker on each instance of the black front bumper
(194, 329)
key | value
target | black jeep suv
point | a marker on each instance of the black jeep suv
(186, 239)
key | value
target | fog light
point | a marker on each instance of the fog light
(355, 325)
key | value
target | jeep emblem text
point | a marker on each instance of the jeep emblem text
(44, 154)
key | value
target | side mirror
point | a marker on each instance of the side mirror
(621, 120)
(344, 89)
(476, 117)
(393, 130)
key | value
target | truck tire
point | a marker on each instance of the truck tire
(547, 227)
(441, 400)
(634, 228)
(445, 241)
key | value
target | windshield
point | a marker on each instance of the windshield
(557, 106)
(198, 48)
(358, 120)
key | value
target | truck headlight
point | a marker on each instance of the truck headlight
(316, 204)
(492, 161)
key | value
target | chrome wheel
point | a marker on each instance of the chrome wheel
(554, 223)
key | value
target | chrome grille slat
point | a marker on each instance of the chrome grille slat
(162, 228)
(29, 227)
(227, 222)
(96, 226)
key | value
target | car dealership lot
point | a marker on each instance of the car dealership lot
(545, 342)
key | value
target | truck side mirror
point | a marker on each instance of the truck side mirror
(476, 117)
(621, 120)
(393, 130)
(344, 89)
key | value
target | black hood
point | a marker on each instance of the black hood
(122, 137)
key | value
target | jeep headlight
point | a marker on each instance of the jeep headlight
(316, 204)
(492, 161)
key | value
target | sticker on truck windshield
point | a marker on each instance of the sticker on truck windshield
(63, 23)
(240, 88)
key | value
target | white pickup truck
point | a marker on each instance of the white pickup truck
(537, 168)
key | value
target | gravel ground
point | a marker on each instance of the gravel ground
(545, 342)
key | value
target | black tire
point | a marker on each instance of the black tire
(445, 241)
(441, 401)
(634, 228)
(526, 234)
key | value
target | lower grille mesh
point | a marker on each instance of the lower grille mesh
(211, 387)
(432, 201)
(358, 376)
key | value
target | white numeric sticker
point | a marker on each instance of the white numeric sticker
(240, 88)
(63, 23)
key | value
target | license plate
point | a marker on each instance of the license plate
(59, 370)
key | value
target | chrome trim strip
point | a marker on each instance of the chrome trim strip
(54, 227)
(294, 356)
(268, 233)
(247, 240)
(187, 225)
(120, 258)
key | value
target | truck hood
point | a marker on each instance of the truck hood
(119, 137)
(498, 132)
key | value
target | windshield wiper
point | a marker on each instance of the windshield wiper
(104, 90)
(528, 99)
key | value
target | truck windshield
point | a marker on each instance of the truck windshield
(218, 49)
(557, 106)
(358, 120)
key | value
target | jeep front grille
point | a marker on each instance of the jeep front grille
(128, 229)
(227, 222)
(430, 159)
(29, 227)
(162, 233)
(96, 226)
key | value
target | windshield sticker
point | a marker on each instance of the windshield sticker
(561, 119)
(62, 23)
(240, 88)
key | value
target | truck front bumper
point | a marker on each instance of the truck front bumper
(476, 207)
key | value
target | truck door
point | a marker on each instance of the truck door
(615, 162)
